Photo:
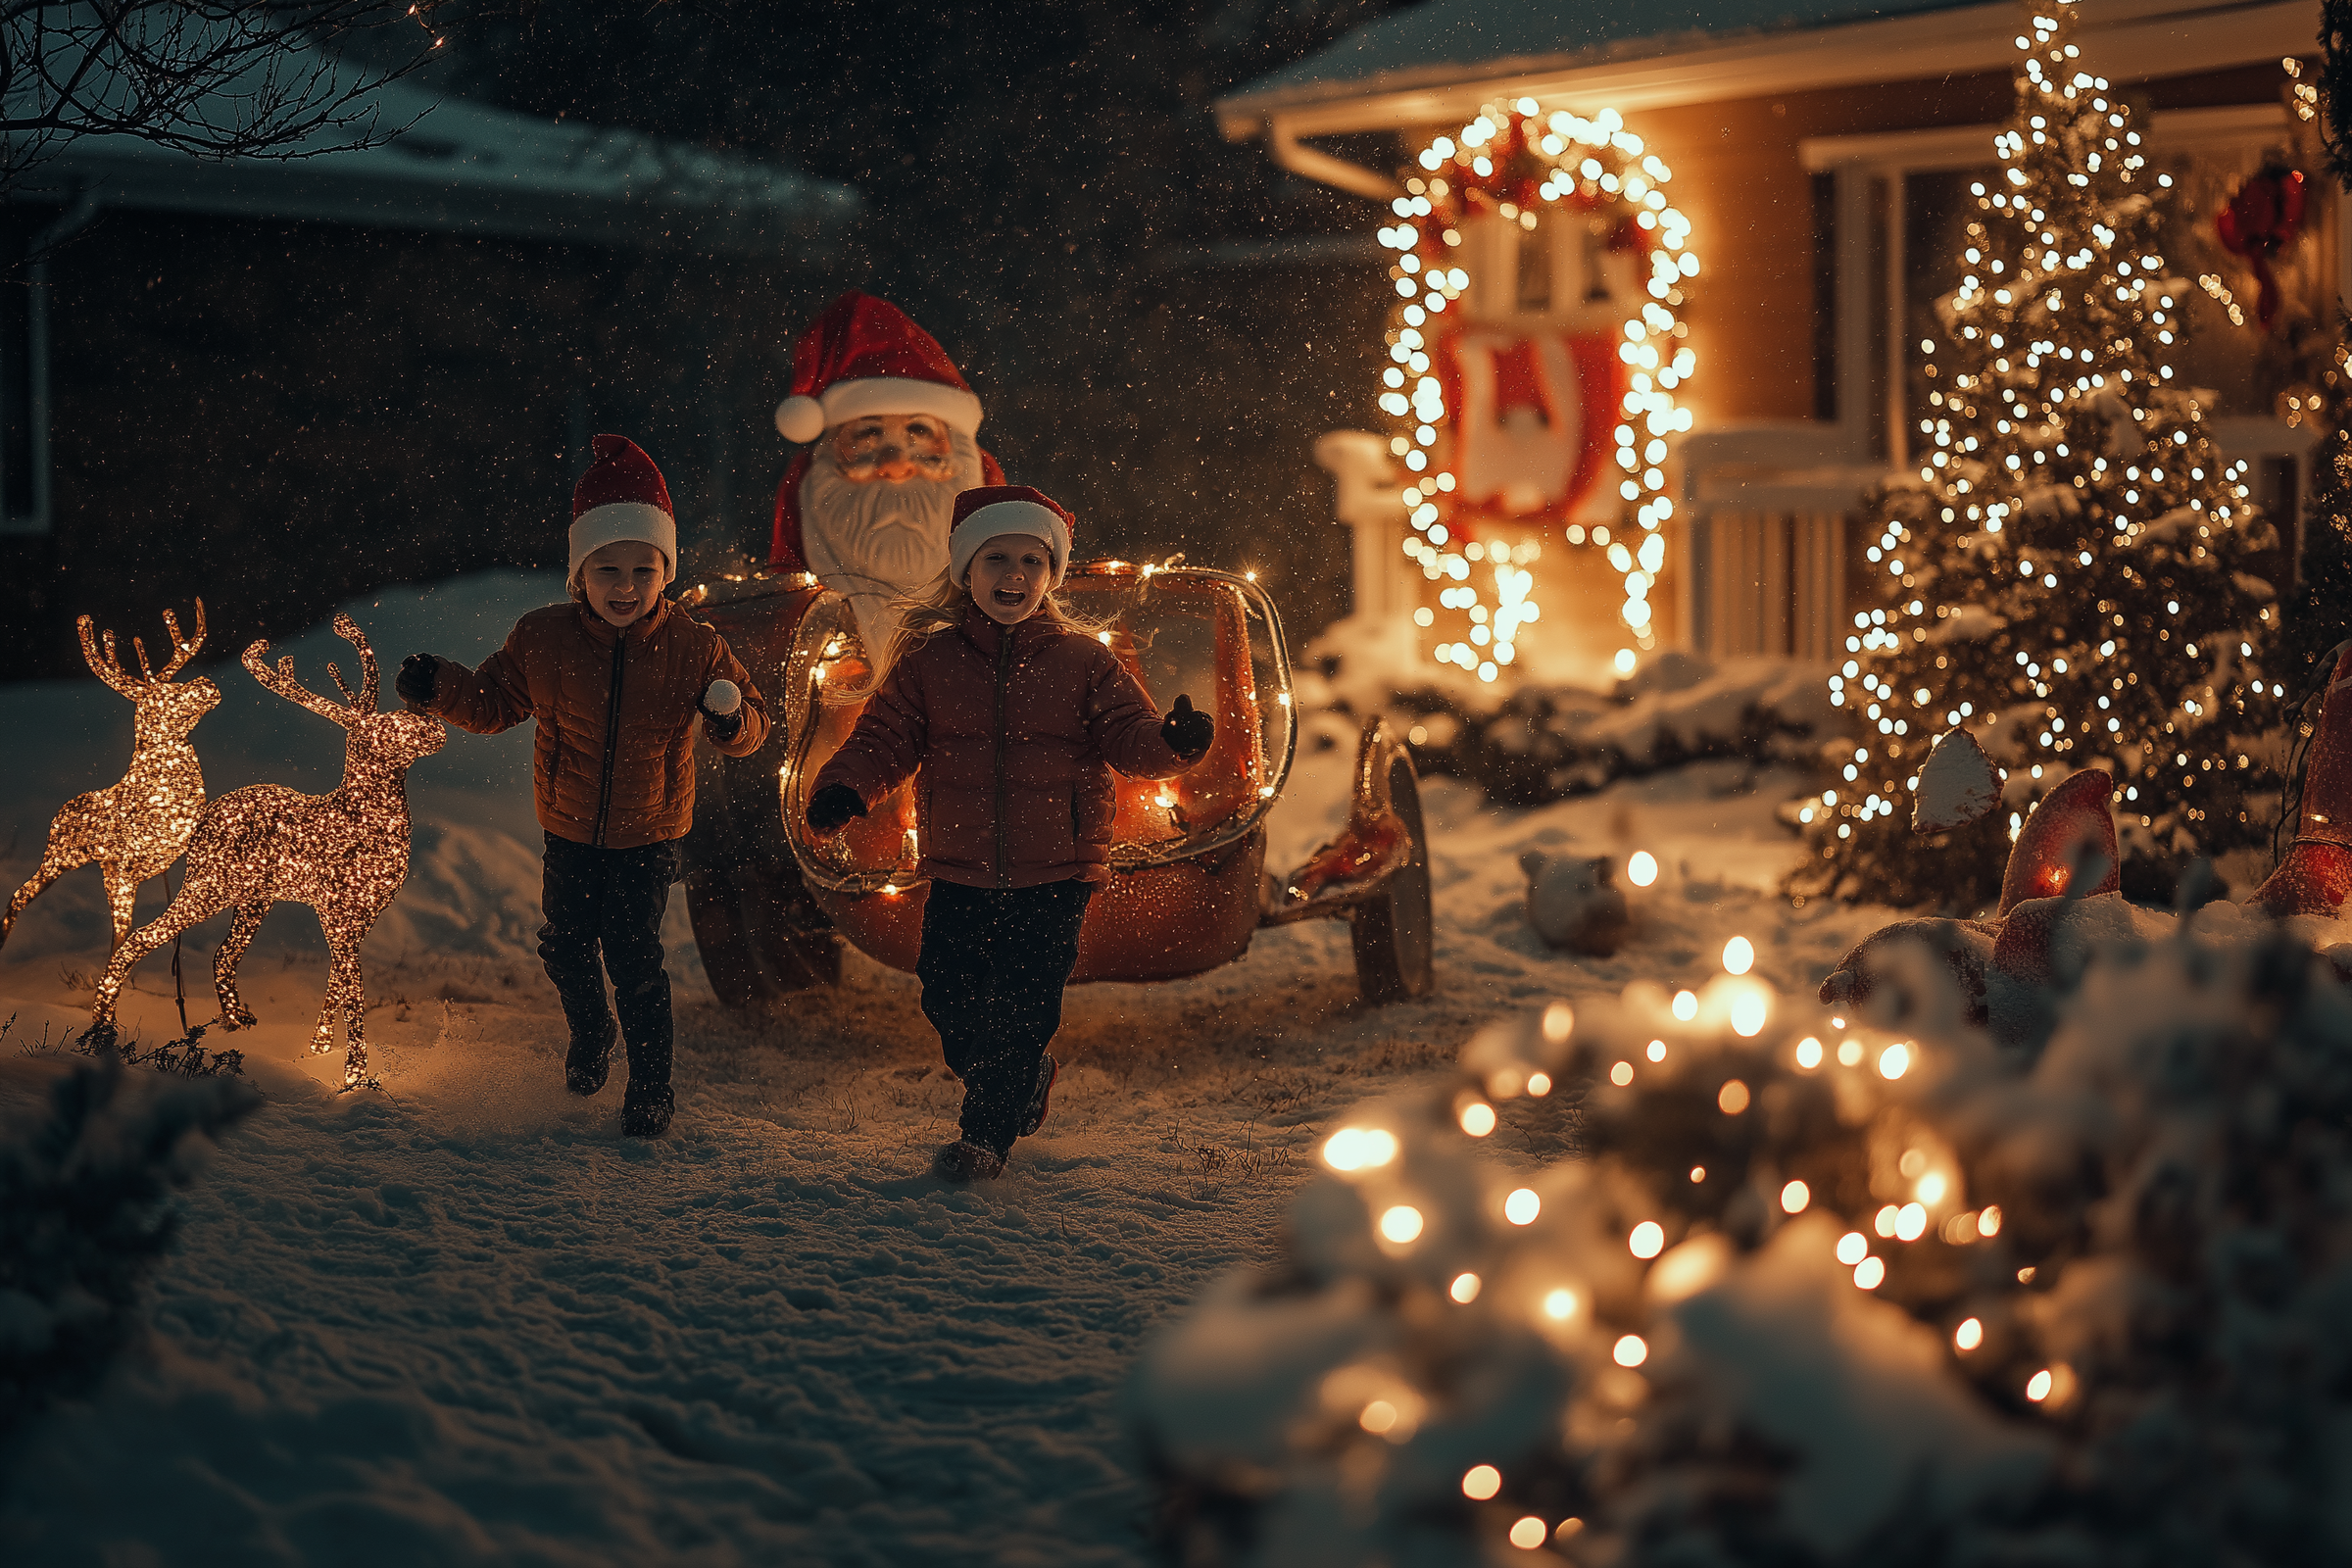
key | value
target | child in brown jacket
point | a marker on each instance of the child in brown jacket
(616, 680)
(1016, 718)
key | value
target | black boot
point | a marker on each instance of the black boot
(1040, 1099)
(593, 1032)
(967, 1161)
(646, 1025)
(644, 1111)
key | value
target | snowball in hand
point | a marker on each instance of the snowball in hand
(721, 697)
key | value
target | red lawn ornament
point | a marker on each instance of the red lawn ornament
(2317, 873)
(2005, 967)
(2261, 220)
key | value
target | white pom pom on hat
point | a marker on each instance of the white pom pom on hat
(800, 419)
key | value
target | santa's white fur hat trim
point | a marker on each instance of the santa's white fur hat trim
(804, 418)
(616, 521)
(1024, 517)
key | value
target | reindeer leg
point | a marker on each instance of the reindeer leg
(185, 911)
(346, 991)
(57, 858)
(122, 896)
(233, 1014)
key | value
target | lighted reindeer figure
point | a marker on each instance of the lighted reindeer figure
(345, 854)
(135, 828)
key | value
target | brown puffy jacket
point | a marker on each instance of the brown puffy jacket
(613, 761)
(1016, 730)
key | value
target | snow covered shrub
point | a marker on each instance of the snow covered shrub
(1546, 743)
(85, 1212)
(1813, 1290)
(186, 1055)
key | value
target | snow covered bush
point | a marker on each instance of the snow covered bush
(1547, 743)
(85, 1212)
(1813, 1290)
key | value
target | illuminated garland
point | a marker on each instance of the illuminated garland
(1519, 165)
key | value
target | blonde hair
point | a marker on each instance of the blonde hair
(941, 604)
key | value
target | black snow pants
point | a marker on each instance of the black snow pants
(613, 900)
(993, 966)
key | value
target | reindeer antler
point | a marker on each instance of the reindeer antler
(109, 668)
(282, 682)
(349, 630)
(182, 648)
(106, 668)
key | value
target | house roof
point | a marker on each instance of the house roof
(465, 168)
(1442, 58)
(1443, 41)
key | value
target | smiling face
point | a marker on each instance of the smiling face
(1010, 575)
(623, 579)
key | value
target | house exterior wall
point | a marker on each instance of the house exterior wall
(1765, 318)
(1752, 209)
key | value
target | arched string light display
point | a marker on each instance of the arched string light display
(1595, 169)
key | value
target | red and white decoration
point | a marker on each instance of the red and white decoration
(866, 356)
(862, 356)
(1505, 422)
(1532, 420)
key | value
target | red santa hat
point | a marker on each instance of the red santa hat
(621, 497)
(1000, 508)
(863, 356)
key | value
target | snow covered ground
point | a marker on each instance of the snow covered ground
(463, 1320)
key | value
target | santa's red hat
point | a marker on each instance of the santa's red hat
(863, 356)
(621, 497)
(993, 510)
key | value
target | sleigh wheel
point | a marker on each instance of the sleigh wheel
(1393, 930)
(756, 946)
(761, 935)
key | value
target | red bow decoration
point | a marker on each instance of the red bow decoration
(2259, 221)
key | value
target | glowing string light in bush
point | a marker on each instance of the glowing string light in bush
(1525, 167)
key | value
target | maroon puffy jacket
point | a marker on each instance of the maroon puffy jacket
(1017, 729)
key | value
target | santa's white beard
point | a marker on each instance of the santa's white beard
(874, 541)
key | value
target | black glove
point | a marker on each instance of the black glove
(415, 682)
(1187, 730)
(831, 807)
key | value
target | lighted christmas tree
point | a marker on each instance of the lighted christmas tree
(2066, 576)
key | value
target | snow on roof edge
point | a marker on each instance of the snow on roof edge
(459, 166)
(1424, 46)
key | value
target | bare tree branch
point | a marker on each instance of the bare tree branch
(216, 79)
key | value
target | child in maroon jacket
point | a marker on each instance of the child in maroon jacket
(1016, 718)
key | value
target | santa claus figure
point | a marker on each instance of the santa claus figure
(869, 505)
